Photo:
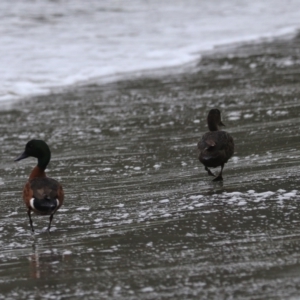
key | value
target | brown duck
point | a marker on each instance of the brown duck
(216, 146)
(41, 194)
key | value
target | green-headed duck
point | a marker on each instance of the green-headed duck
(41, 194)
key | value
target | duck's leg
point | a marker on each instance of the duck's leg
(50, 220)
(209, 172)
(219, 177)
(30, 221)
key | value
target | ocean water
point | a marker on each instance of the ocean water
(45, 45)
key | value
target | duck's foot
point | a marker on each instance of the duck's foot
(218, 178)
(209, 172)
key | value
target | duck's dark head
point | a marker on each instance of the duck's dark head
(214, 120)
(38, 149)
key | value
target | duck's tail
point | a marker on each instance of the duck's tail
(44, 206)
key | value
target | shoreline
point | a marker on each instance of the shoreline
(180, 68)
(190, 66)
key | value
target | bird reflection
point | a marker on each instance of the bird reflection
(44, 262)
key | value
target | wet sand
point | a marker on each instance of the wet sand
(141, 219)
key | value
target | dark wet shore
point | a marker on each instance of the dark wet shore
(141, 219)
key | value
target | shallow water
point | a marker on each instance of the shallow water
(141, 219)
(46, 44)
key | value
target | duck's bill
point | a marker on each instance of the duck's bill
(221, 124)
(22, 156)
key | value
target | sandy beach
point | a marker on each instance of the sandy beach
(141, 219)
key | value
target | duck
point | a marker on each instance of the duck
(216, 146)
(41, 194)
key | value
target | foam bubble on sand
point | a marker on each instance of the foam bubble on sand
(242, 202)
(164, 201)
(147, 289)
(196, 197)
(248, 116)
(292, 193)
(234, 115)
(264, 194)
(276, 112)
(83, 208)
(281, 112)
(235, 159)
(288, 195)
(166, 215)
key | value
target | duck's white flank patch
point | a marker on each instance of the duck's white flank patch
(31, 203)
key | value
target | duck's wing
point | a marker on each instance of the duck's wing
(208, 141)
(216, 141)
